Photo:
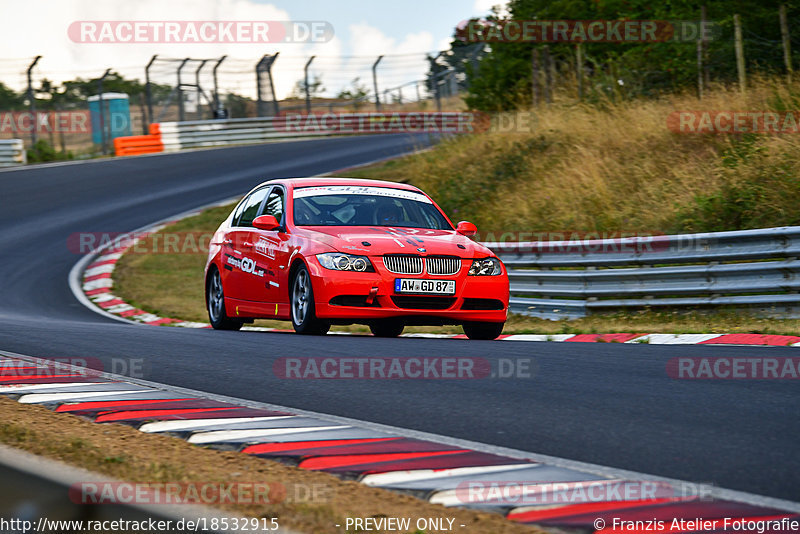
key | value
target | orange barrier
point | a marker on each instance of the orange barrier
(139, 144)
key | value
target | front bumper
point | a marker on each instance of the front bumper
(344, 295)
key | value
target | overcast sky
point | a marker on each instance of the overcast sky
(403, 31)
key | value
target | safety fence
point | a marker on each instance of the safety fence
(12, 152)
(753, 269)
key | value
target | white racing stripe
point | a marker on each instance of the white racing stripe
(34, 398)
(28, 387)
(100, 269)
(171, 426)
(459, 497)
(397, 477)
(538, 337)
(673, 339)
(232, 435)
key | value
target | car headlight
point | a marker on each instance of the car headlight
(485, 267)
(337, 261)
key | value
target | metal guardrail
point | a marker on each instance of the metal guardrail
(754, 269)
(37, 489)
(12, 152)
(210, 133)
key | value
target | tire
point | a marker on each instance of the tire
(386, 328)
(301, 299)
(486, 331)
(215, 305)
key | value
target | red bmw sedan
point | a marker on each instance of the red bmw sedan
(323, 251)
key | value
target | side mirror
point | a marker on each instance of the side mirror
(466, 228)
(266, 222)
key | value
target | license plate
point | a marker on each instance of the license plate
(426, 287)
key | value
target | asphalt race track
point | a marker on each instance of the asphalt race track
(604, 403)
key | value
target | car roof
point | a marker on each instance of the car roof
(315, 181)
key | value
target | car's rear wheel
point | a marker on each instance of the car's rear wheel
(483, 330)
(215, 304)
(386, 328)
(304, 318)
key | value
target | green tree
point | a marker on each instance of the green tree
(502, 78)
(315, 88)
(10, 100)
(356, 92)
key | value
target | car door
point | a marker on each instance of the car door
(271, 247)
(239, 264)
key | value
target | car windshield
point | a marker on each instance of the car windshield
(365, 206)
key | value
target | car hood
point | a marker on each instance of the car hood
(392, 240)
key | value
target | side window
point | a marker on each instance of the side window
(250, 207)
(274, 205)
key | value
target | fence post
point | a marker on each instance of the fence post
(547, 66)
(787, 51)
(535, 89)
(305, 81)
(216, 87)
(375, 83)
(700, 68)
(181, 113)
(149, 118)
(579, 69)
(737, 36)
(199, 92)
(102, 110)
(265, 66)
(32, 100)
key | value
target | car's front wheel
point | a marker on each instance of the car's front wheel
(215, 303)
(304, 318)
(386, 328)
(487, 331)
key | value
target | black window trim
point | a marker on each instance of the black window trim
(282, 222)
(268, 188)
